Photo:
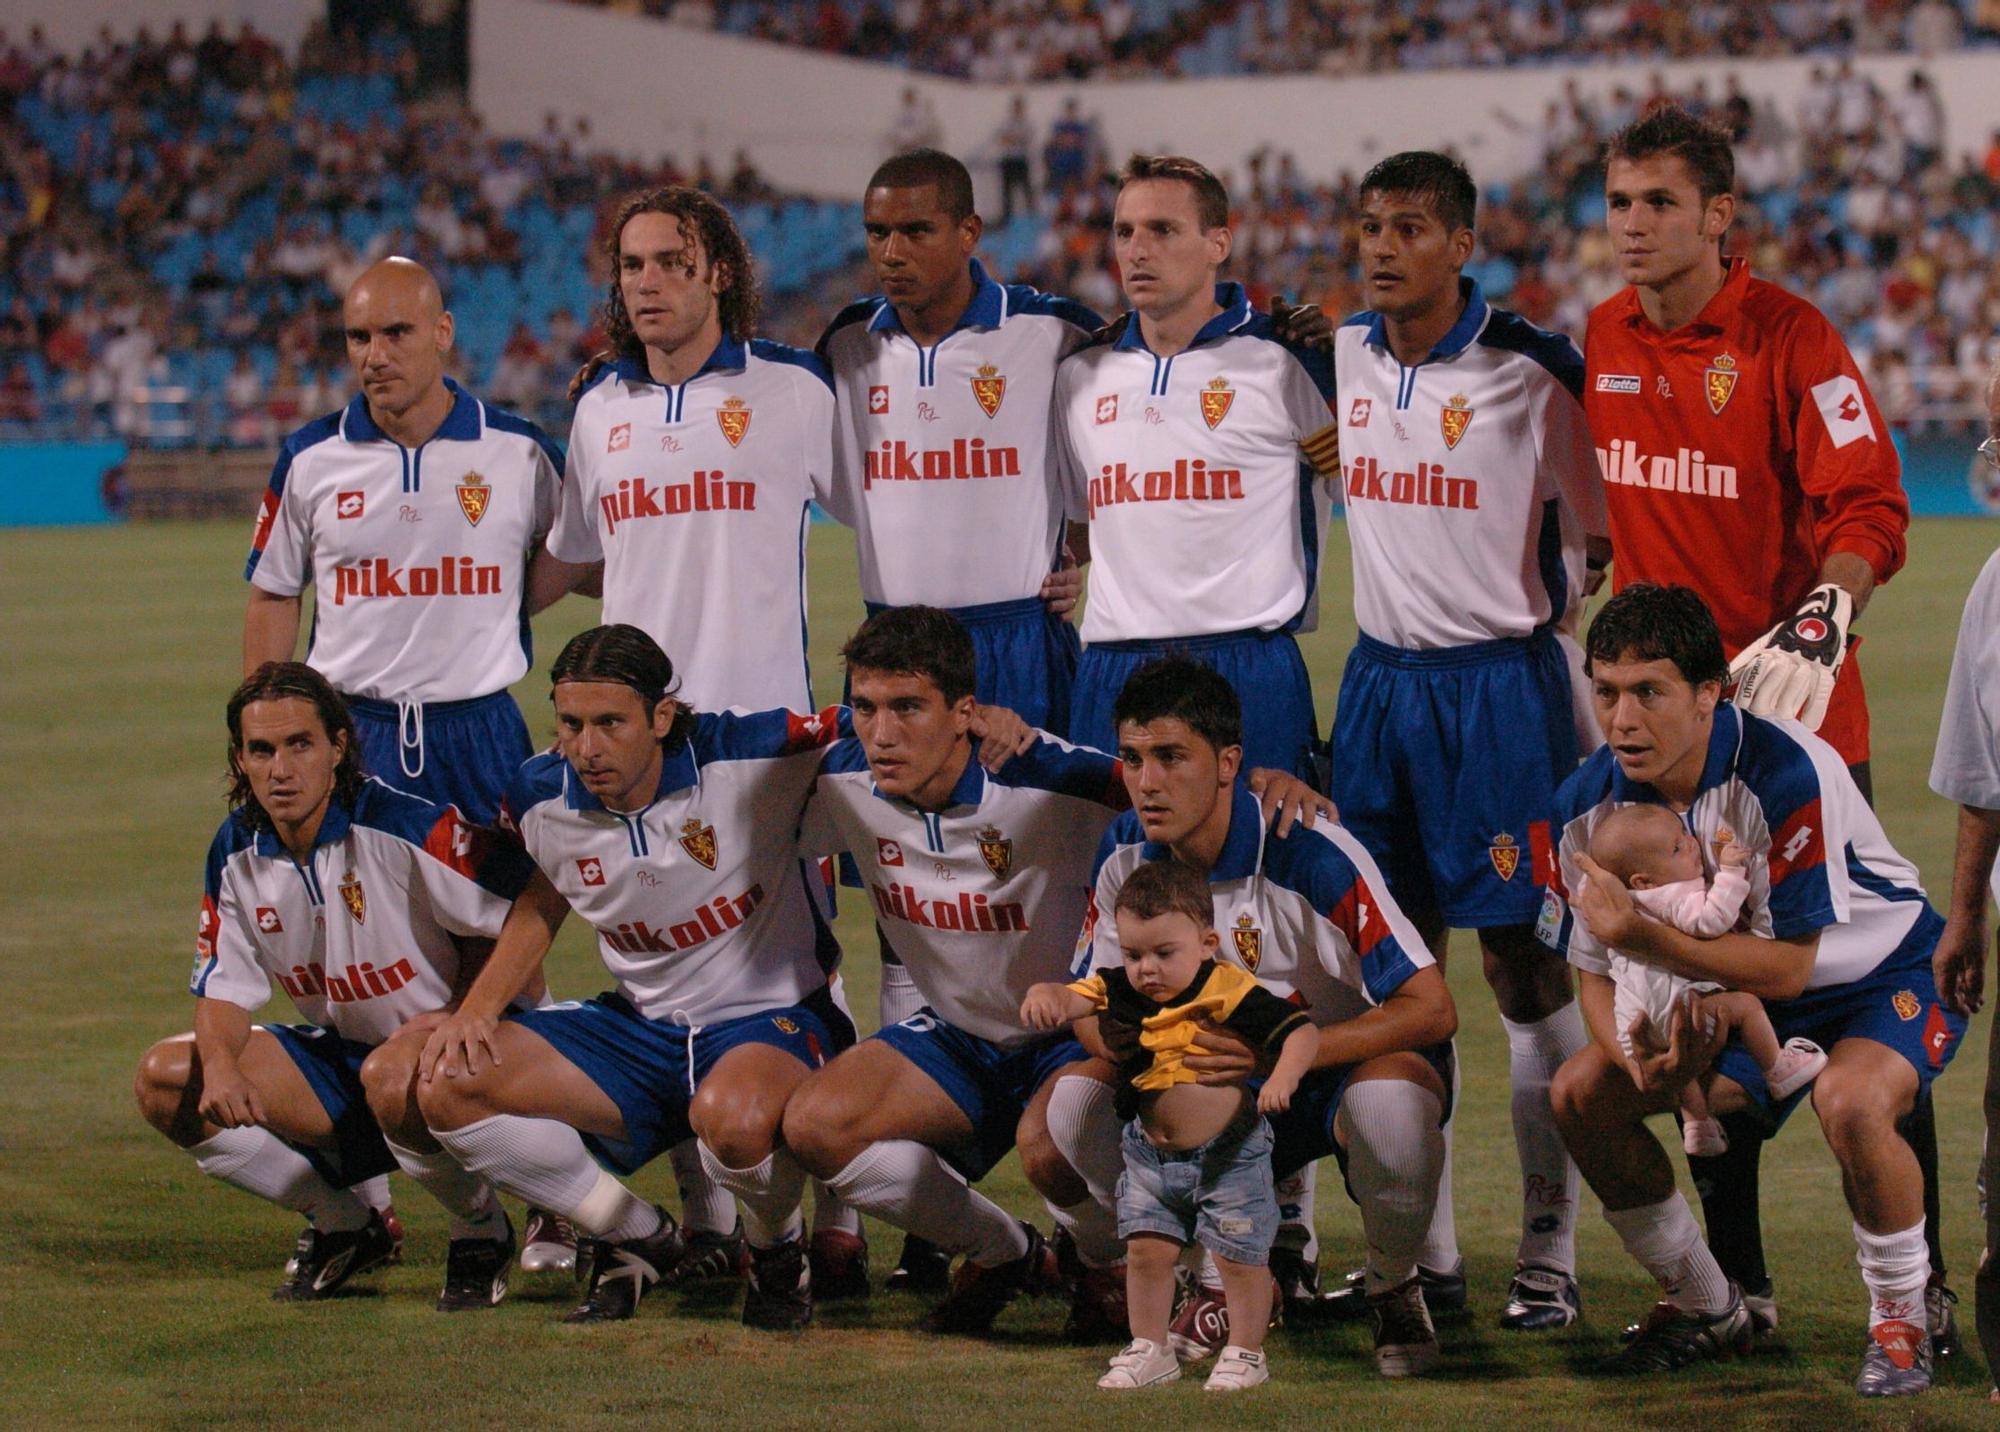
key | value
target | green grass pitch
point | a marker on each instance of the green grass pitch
(132, 1290)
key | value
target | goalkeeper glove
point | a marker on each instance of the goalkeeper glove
(1790, 670)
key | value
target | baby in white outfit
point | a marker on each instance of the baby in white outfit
(1652, 851)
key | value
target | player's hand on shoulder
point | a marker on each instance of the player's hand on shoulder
(1304, 324)
(1958, 964)
(229, 1100)
(587, 374)
(462, 1044)
(1002, 734)
(1287, 801)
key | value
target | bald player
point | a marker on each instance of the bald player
(414, 512)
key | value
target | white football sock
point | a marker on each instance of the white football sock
(706, 1206)
(904, 1183)
(1395, 1158)
(770, 1193)
(1084, 1127)
(1550, 1183)
(468, 1198)
(373, 1191)
(1894, 1267)
(1094, 1228)
(832, 1213)
(898, 998)
(1296, 1193)
(258, 1161)
(1665, 1240)
(1439, 1252)
(544, 1162)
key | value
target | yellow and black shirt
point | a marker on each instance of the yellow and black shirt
(1221, 994)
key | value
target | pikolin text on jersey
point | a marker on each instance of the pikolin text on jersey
(1185, 481)
(707, 491)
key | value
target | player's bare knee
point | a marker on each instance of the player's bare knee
(388, 1078)
(1570, 1089)
(1152, 1253)
(739, 1128)
(1853, 1112)
(1048, 1171)
(161, 1084)
(447, 1103)
(816, 1133)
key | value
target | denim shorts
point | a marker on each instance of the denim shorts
(1217, 1194)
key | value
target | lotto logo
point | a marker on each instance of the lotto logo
(888, 852)
(1107, 409)
(878, 399)
(592, 870)
(620, 439)
(1357, 414)
(1617, 382)
(268, 921)
(347, 504)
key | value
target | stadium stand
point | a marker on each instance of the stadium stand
(194, 206)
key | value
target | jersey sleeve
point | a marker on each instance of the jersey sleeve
(1345, 887)
(1846, 462)
(1098, 944)
(820, 831)
(280, 559)
(470, 874)
(1069, 466)
(1083, 772)
(573, 536)
(1804, 822)
(1309, 407)
(548, 460)
(1262, 1019)
(1966, 765)
(1568, 458)
(226, 966)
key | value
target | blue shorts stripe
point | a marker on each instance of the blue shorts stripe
(470, 751)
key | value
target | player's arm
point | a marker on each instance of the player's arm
(221, 1030)
(1418, 1013)
(538, 912)
(1569, 458)
(270, 628)
(1959, 962)
(1597, 995)
(1767, 968)
(550, 579)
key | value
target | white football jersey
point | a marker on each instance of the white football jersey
(360, 934)
(1819, 862)
(945, 462)
(1470, 480)
(418, 556)
(1310, 914)
(1200, 476)
(696, 498)
(699, 901)
(982, 899)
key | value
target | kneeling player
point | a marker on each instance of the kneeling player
(671, 832)
(280, 1111)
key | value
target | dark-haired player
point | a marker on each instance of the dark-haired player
(348, 894)
(1838, 946)
(1743, 457)
(1476, 511)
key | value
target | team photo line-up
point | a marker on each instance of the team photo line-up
(1138, 920)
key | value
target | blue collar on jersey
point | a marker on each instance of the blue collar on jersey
(332, 826)
(677, 773)
(988, 308)
(729, 357)
(1725, 738)
(1236, 311)
(1240, 849)
(970, 790)
(1462, 332)
(461, 424)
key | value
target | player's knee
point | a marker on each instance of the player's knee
(739, 1128)
(1570, 1090)
(388, 1078)
(1047, 1171)
(447, 1103)
(161, 1083)
(816, 1131)
(1853, 1112)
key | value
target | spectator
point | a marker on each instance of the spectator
(1013, 141)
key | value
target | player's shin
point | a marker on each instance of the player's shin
(468, 1198)
(1663, 1239)
(1439, 1252)
(258, 1161)
(770, 1192)
(1395, 1160)
(905, 1184)
(1894, 1268)
(1550, 1183)
(1298, 1199)
(1727, 1185)
(545, 1163)
(1083, 1126)
(706, 1206)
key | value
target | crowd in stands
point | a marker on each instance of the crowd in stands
(1014, 41)
(180, 212)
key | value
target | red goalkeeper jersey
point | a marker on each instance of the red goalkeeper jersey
(1738, 451)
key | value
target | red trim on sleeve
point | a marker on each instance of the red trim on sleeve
(1799, 844)
(454, 843)
(207, 927)
(806, 733)
(1358, 915)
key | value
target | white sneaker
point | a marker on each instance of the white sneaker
(1144, 1363)
(1237, 1370)
(1798, 1064)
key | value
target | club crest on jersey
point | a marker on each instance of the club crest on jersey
(1719, 381)
(698, 840)
(1907, 1005)
(1215, 401)
(1454, 418)
(268, 921)
(1505, 855)
(620, 439)
(733, 417)
(473, 495)
(349, 505)
(354, 898)
(1107, 409)
(784, 1025)
(988, 388)
(1249, 943)
(997, 851)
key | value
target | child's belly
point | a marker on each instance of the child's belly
(1188, 1115)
